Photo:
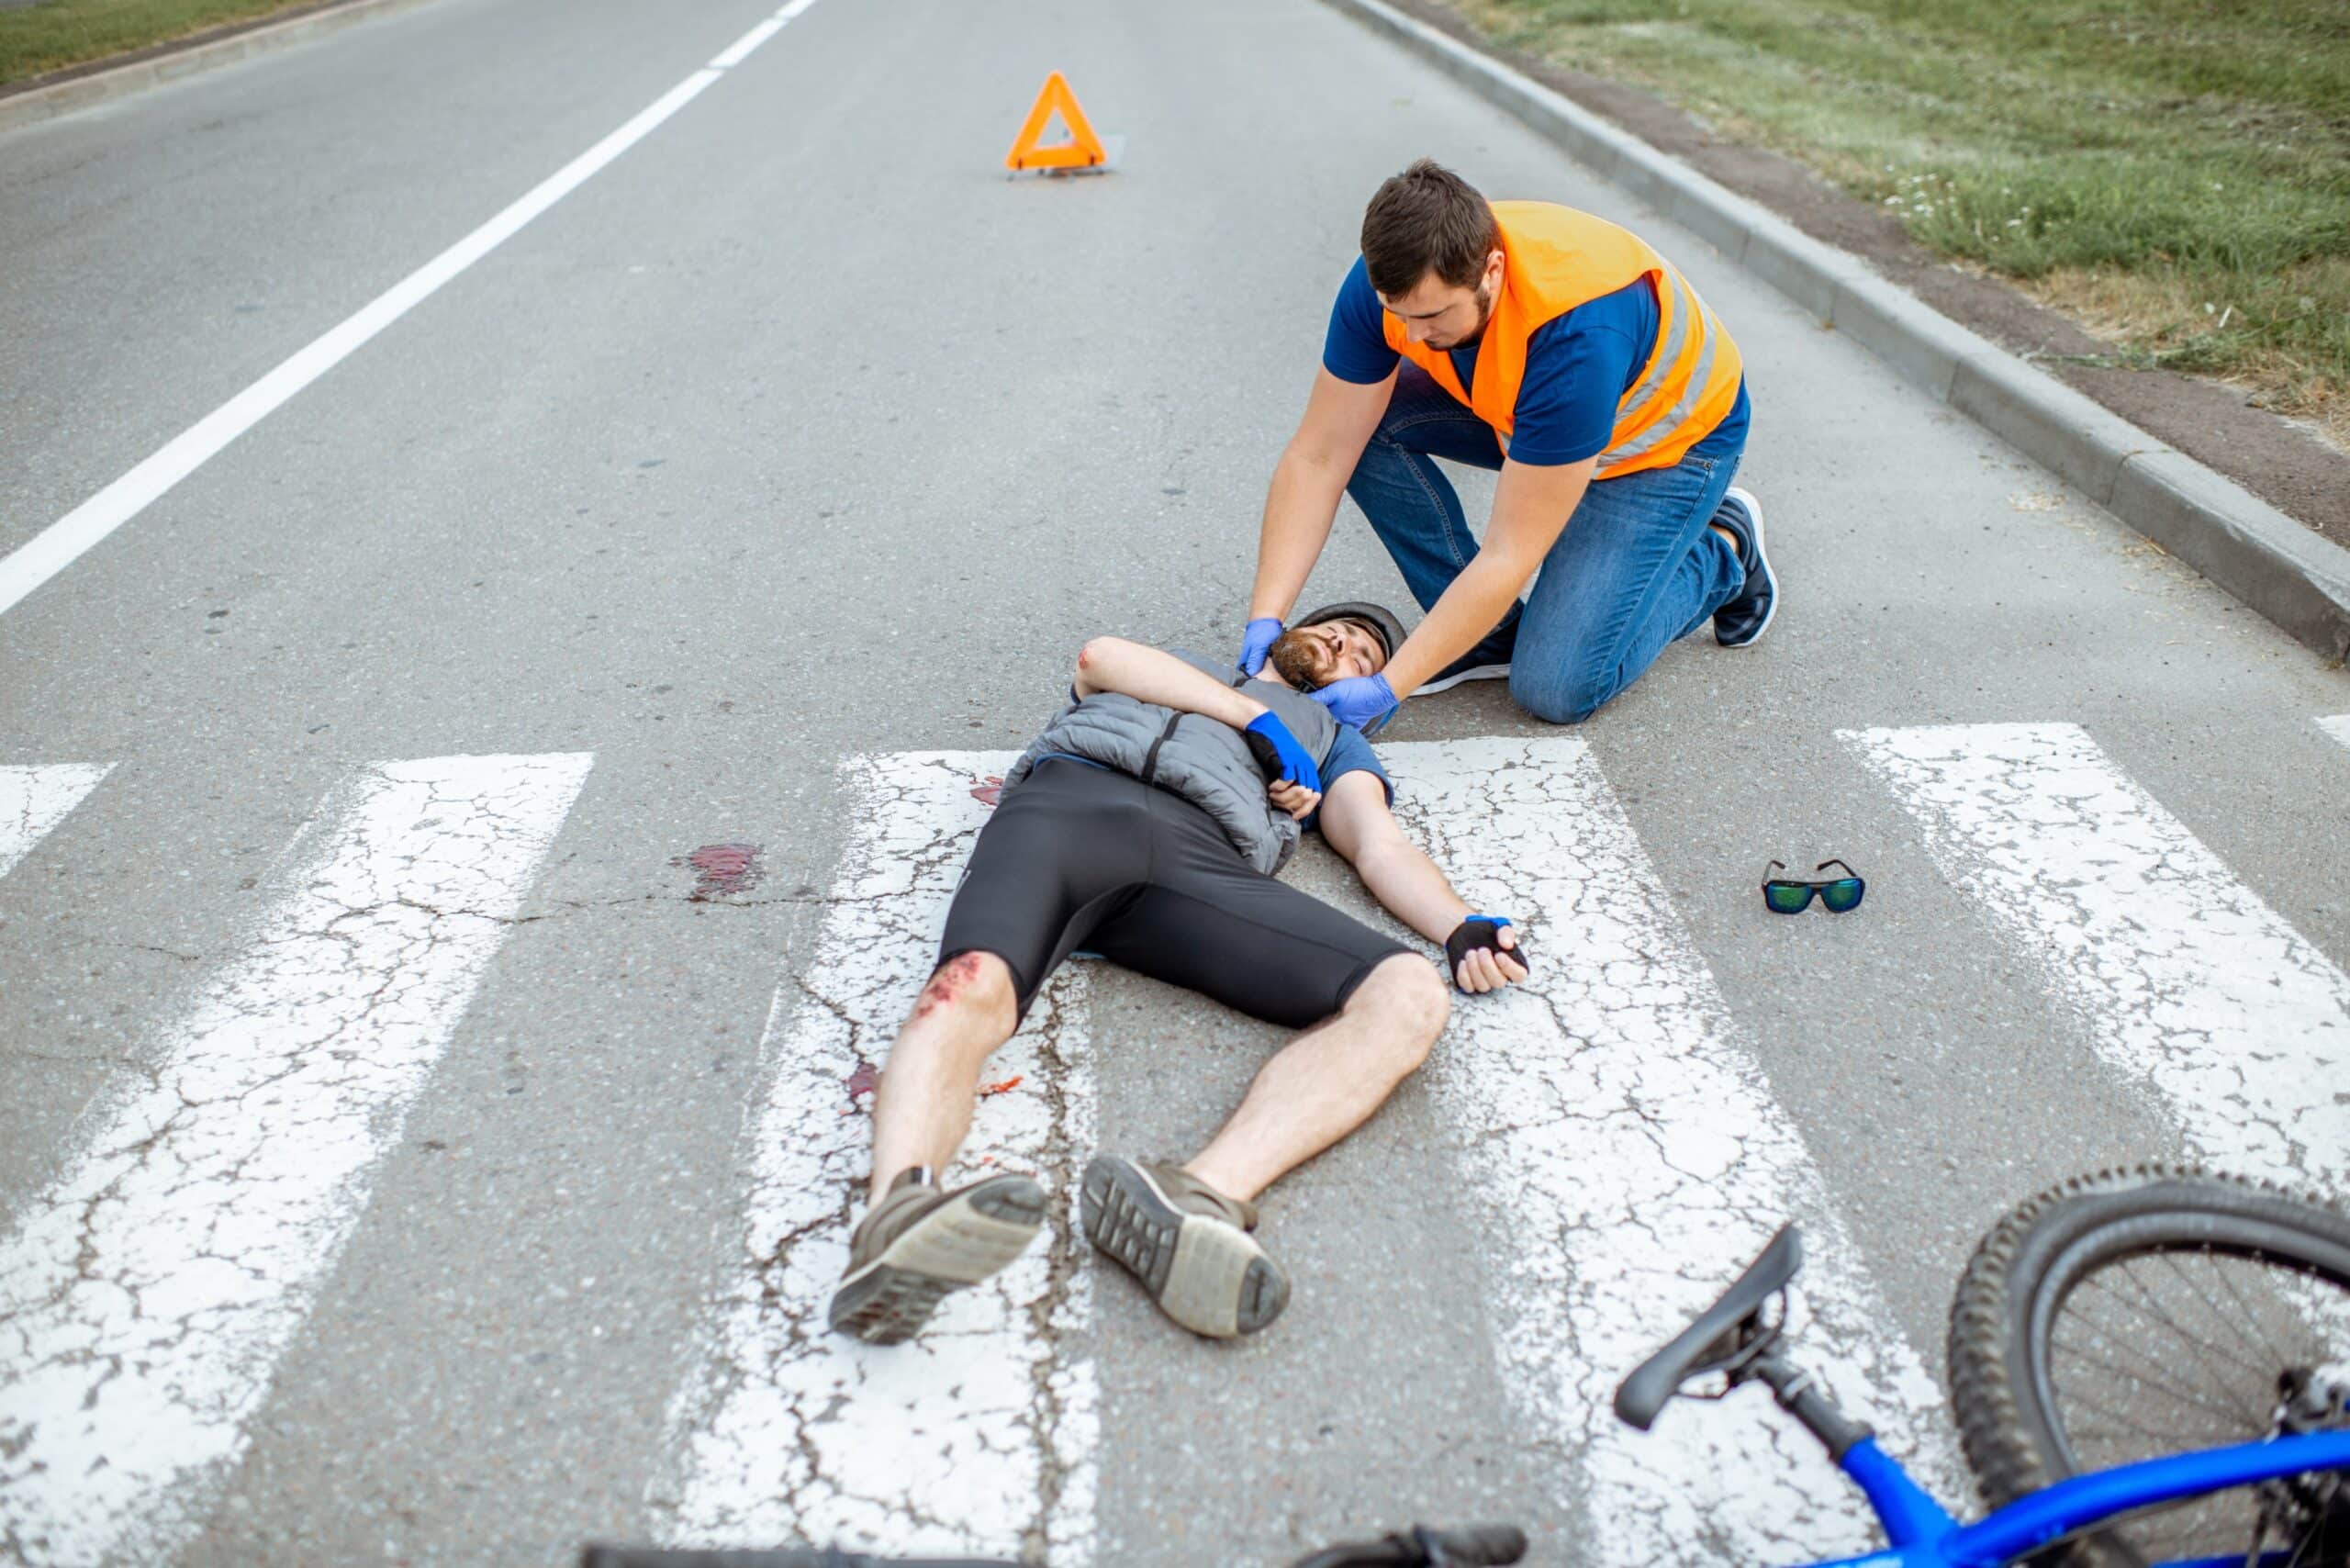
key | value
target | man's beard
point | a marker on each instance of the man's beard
(1299, 658)
(1475, 334)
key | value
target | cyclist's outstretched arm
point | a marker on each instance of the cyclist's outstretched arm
(1357, 823)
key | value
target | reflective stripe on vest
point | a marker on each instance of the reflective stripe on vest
(1554, 259)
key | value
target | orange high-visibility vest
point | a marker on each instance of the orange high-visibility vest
(1553, 259)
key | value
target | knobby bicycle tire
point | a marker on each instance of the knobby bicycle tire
(2047, 1244)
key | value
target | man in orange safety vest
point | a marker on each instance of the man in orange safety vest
(1567, 354)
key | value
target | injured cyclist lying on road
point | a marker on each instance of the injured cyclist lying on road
(1147, 824)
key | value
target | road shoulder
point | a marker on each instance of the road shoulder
(75, 87)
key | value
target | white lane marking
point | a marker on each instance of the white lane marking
(155, 1283)
(35, 800)
(1632, 1158)
(2338, 726)
(979, 1436)
(740, 49)
(2180, 976)
(63, 542)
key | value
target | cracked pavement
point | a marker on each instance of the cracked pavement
(143, 1305)
(979, 1436)
(1630, 1158)
(2182, 975)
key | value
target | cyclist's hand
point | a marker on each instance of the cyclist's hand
(1280, 756)
(1482, 954)
(1295, 799)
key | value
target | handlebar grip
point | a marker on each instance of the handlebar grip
(1478, 1545)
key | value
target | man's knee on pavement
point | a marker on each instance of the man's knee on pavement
(1408, 993)
(1557, 701)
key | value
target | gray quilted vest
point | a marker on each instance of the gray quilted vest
(1205, 762)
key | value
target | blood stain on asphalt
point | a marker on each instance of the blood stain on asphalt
(864, 1081)
(720, 869)
(988, 791)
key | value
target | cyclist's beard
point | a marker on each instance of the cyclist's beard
(1301, 660)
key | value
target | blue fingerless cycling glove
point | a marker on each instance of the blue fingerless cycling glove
(1280, 753)
(1477, 930)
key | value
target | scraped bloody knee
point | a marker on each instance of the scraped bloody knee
(965, 979)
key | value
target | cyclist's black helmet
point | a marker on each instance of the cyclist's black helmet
(1378, 617)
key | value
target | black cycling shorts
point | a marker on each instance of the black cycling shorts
(1083, 857)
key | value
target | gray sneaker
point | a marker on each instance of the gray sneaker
(918, 1243)
(1186, 1242)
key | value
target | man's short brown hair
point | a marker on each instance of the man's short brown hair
(1426, 220)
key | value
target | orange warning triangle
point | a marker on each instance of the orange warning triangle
(1081, 151)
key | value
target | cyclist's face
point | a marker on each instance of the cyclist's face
(1313, 656)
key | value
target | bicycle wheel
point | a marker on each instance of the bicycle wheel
(2135, 1314)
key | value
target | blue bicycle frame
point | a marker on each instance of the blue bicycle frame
(1923, 1534)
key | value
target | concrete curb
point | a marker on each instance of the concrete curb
(100, 86)
(2292, 576)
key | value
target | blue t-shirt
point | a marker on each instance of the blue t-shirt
(1578, 367)
(1350, 753)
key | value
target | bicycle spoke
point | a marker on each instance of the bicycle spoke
(2161, 1439)
(2258, 1415)
(2182, 1395)
(2128, 1306)
(2120, 1343)
(2154, 1314)
(2281, 1360)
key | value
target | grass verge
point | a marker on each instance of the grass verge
(50, 35)
(2175, 173)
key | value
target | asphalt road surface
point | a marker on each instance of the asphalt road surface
(426, 1123)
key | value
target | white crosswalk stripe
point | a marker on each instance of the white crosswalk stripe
(2183, 977)
(2338, 726)
(979, 1436)
(145, 1301)
(1630, 1159)
(35, 800)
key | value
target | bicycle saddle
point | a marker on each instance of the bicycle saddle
(1716, 1337)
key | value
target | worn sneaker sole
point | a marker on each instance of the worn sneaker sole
(962, 1241)
(1762, 557)
(1206, 1274)
(1474, 672)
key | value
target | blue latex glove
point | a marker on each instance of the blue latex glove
(1365, 702)
(1257, 641)
(1280, 753)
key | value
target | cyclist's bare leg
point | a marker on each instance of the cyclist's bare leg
(1328, 1080)
(922, 1109)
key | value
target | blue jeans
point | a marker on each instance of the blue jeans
(1635, 568)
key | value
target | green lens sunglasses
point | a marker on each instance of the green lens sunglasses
(1792, 895)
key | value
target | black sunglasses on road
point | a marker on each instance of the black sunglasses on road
(1792, 895)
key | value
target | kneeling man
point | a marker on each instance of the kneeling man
(1146, 825)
